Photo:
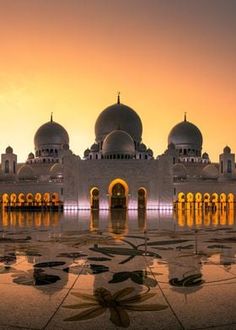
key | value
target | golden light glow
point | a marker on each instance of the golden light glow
(71, 57)
(124, 184)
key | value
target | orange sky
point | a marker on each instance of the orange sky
(72, 56)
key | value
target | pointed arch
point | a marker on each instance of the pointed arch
(21, 199)
(223, 198)
(38, 198)
(13, 199)
(198, 197)
(190, 197)
(142, 198)
(94, 198)
(55, 198)
(118, 194)
(214, 198)
(29, 199)
(230, 198)
(181, 197)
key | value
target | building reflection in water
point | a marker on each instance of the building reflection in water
(191, 217)
(183, 260)
(30, 219)
(120, 222)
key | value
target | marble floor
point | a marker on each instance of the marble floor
(101, 270)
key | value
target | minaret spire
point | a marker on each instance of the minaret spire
(185, 116)
(118, 98)
(51, 117)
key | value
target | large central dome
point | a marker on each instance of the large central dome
(51, 133)
(121, 117)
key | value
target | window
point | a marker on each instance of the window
(229, 166)
(7, 166)
(222, 167)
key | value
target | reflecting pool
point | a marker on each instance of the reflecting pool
(137, 270)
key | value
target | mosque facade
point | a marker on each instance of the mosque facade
(118, 171)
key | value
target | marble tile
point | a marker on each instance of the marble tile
(203, 306)
(163, 319)
(31, 307)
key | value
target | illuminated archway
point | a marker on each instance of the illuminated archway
(142, 198)
(214, 198)
(181, 197)
(190, 197)
(5, 199)
(55, 199)
(29, 199)
(13, 199)
(94, 198)
(198, 197)
(21, 199)
(46, 198)
(230, 198)
(223, 198)
(118, 194)
(206, 198)
(38, 199)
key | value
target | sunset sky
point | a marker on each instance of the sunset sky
(72, 56)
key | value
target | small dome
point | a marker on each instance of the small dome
(118, 142)
(56, 171)
(142, 147)
(51, 133)
(26, 173)
(171, 146)
(185, 134)
(205, 155)
(150, 152)
(86, 153)
(227, 150)
(30, 155)
(95, 147)
(179, 171)
(210, 172)
(9, 150)
(118, 116)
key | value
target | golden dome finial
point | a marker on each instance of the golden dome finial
(118, 98)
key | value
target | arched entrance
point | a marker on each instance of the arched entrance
(118, 194)
(142, 198)
(94, 198)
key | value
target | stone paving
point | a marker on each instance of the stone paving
(119, 270)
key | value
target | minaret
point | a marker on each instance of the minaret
(9, 162)
(51, 117)
(227, 163)
(185, 116)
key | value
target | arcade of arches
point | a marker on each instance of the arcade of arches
(198, 199)
(30, 200)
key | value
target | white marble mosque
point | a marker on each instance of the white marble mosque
(118, 170)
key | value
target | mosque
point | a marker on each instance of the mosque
(118, 171)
